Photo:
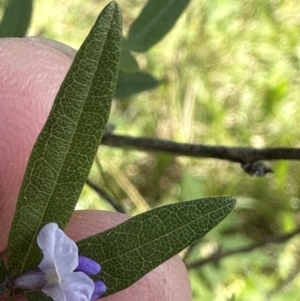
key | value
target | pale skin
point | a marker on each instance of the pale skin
(30, 75)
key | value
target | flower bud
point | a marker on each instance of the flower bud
(88, 266)
(30, 280)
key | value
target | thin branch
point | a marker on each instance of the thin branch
(234, 154)
(102, 193)
(219, 255)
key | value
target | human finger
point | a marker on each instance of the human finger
(31, 73)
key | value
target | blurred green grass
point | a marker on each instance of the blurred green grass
(230, 73)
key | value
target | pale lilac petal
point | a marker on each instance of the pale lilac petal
(46, 242)
(65, 253)
(78, 287)
(88, 266)
(54, 291)
(60, 252)
(100, 289)
(73, 287)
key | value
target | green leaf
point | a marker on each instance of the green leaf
(37, 296)
(16, 18)
(128, 63)
(63, 154)
(155, 20)
(3, 277)
(132, 249)
(131, 83)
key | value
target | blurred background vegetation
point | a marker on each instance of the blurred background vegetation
(229, 73)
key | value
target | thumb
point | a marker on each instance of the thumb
(30, 76)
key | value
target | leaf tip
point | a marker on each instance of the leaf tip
(231, 201)
(114, 5)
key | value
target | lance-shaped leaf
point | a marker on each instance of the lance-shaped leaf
(128, 63)
(132, 249)
(131, 83)
(16, 18)
(63, 154)
(155, 20)
(37, 296)
(3, 277)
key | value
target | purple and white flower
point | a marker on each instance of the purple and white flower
(62, 274)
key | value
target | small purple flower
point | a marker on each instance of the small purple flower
(66, 273)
